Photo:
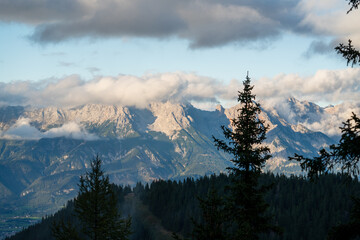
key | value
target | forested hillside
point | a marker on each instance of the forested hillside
(246, 204)
(303, 209)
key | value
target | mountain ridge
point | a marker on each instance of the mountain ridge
(44, 150)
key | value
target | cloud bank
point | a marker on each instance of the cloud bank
(338, 87)
(332, 119)
(326, 86)
(204, 23)
(23, 130)
(319, 119)
(125, 90)
(329, 19)
(332, 86)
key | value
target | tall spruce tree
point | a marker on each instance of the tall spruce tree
(246, 206)
(96, 208)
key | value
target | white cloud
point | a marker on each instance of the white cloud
(333, 118)
(326, 120)
(341, 87)
(204, 23)
(70, 130)
(22, 129)
(331, 86)
(329, 18)
(124, 89)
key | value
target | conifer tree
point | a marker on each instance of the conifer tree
(349, 153)
(344, 156)
(96, 208)
(349, 52)
(354, 5)
(246, 206)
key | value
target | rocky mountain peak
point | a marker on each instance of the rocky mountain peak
(170, 118)
(220, 108)
(48, 117)
(125, 138)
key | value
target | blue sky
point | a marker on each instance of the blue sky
(49, 42)
(22, 59)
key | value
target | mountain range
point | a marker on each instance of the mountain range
(43, 151)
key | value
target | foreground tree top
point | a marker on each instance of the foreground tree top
(246, 135)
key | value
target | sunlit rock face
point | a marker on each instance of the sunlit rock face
(44, 150)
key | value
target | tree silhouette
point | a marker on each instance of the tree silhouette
(246, 206)
(96, 207)
(344, 156)
(348, 149)
(351, 54)
(354, 5)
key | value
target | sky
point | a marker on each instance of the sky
(132, 52)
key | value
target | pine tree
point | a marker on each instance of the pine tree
(344, 156)
(246, 206)
(348, 150)
(96, 208)
(354, 5)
